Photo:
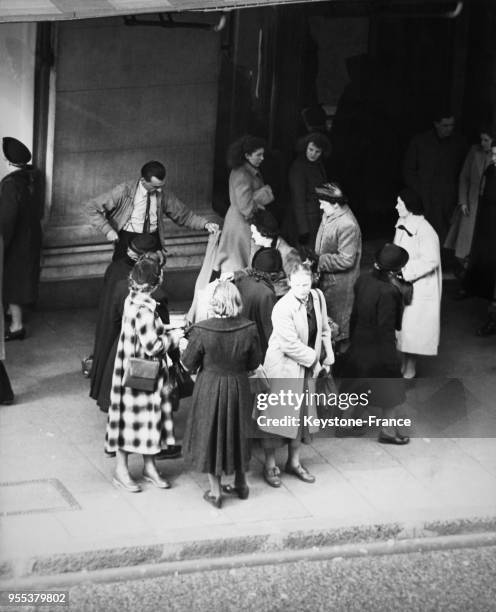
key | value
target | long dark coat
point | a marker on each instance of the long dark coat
(304, 176)
(258, 297)
(481, 279)
(215, 439)
(20, 226)
(108, 325)
(431, 168)
(377, 313)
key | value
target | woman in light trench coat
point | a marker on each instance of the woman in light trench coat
(292, 363)
(421, 322)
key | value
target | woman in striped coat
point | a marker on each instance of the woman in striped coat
(140, 421)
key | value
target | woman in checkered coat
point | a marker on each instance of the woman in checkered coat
(140, 421)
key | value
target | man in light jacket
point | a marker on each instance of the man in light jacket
(141, 207)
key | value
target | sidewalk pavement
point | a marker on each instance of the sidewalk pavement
(60, 513)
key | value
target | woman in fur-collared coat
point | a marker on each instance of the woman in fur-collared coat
(339, 247)
(140, 421)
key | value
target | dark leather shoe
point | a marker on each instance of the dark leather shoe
(20, 334)
(271, 476)
(300, 472)
(171, 452)
(488, 329)
(156, 481)
(396, 439)
(128, 485)
(242, 492)
(216, 502)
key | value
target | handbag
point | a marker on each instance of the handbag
(141, 374)
(181, 380)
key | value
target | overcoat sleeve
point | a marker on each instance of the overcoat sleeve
(192, 357)
(429, 256)
(153, 344)
(345, 255)
(243, 194)
(289, 342)
(255, 353)
(8, 210)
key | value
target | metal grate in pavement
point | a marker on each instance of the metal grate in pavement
(35, 496)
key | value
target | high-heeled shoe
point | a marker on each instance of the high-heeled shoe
(157, 481)
(216, 502)
(128, 485)
(19, 334)
(385, 438)
(242, 491)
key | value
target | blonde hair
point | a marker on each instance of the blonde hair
(226, 300)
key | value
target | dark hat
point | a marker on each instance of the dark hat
(265, 223)
(146, 272)
(391, 257)
(144, 242)
(267, 260)
(15, 152)
(331, 192)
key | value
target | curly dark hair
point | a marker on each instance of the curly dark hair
(240, 148)
(319, 140)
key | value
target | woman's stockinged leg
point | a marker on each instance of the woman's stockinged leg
(214, 482)
(270, 458)
(294, 453)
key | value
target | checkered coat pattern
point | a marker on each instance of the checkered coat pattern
(138, 421)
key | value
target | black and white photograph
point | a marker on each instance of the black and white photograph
(248, 305)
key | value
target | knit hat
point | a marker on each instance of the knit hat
(15, 152)
(391, 258)
(267, 260)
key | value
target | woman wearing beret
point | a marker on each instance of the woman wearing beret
(420, 328)
(20, 214)
(372, 362)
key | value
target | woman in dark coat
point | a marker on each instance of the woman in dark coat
(481, 278)
(224, 349)
(20, 213)
(372, 356)
(306, 173)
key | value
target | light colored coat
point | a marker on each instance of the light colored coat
(461, 232)
(247, 194)
(339, 247)
(420, 328)
(288, 353)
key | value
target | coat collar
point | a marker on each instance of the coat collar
(142, 299)
(342, 210)
(412, 224)
(226, 324)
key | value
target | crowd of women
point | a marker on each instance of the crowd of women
(270, 316)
